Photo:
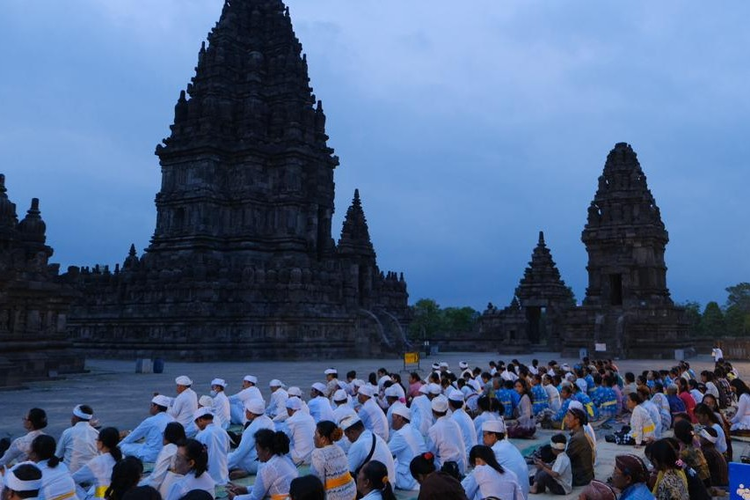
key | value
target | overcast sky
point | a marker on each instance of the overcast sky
(467, 126)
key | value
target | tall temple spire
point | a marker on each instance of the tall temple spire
(355, 235)
(8, 218)
(541, 272)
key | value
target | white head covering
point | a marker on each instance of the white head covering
(275, 383)
(340, 395)
(183, 380)
(331, 371)
(565, 366)
(255, 406)
(12, 482)
(321, 388)
(576, 404)
(439, 404)
(434, 388)
(435, 366)
(392, 392)
(251, 378)
(294, 391)
(206, 401)
(424, 389)
(403, 411)
(348, 421)
(383, 380)
(358, 382)
(294, 404)
(78, 412)
(161, 400)
(456, 396)
(493, 426)
(443, 364)
(219, 381)
(201, 412)
(463, 365)
(367, 390)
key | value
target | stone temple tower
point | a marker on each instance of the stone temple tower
(242, 263)
(627, 310)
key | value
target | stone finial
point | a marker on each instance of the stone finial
(32, 226)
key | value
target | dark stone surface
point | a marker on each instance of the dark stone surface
(33, 307)
(242, 264)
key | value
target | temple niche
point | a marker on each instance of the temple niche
(627, 311)
(33, 307)
(242, 263)
(535, 318)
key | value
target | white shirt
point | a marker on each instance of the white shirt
(361, 448)
(717, 353)
(273, 479)
(216, 440)
(77, 445)
(184, 406)
(697, 396)
(221, 410)
(320, 409)
(374, 419)
(485, 482)
(641, 425)
(563, 467)
(301, 429)
(161, 467)
(152, 429)
(245, 456)
(189, 483)
(421, 414)
(468, 431)
(97, 471)
(554, 397)
(277, 403)
(56, 482)
(445, 442)
(511, 459)
(246, 394)
(19, 448)
(405, 444)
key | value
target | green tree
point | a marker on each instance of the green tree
(737, 315)
(693, 311)
(427, 319)
(459, 319)
(713, 323)
(739, 296)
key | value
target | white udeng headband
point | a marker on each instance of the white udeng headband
(15, 484)
(557, 446)
(80, 414)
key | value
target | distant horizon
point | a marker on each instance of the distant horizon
(467, 131)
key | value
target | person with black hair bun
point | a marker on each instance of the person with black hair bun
(191, 461)
(489, 478)
(329, 462)
(275, 477)
(33, 421)
(22, 482)
(98, 471)
(434, 484)
(56, 479)
(373, 483)
(671, 482)
(125, 476)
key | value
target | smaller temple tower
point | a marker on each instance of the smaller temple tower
(627, 311)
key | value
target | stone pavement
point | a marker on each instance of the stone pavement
(121, 398)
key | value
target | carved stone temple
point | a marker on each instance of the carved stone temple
(242, 264)
(627, 311)
(537, 311)
(33, 307)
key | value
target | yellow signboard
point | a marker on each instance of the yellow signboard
(411, 358)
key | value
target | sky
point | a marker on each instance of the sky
(467, 126)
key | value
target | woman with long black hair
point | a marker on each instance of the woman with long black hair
(191, 461)
(56, 479)
(489, 478)
(33, 421)
(98, 470)
(275, 477)
(372, 482)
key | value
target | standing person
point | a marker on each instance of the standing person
(186, 402)
(300, 427)
(33, 421)
(329, 463)
(151, 430)
(507, 455)
(275, 476)
(444, 438)
(372, 482)
(630, 476)
(56, 481)
(162, 477)
(370, 413)
(77, 444)
(277, 403)
(191, 461)
(434, 484)
(243, 461)
(237, 401)
(671, 482)
(98, 471)
(741, 419)
(406, 443)
(366, 446)
(221, 407)
(320, 406)
(558, 479)
(216, 441)
(579, 449)
(22, 482)
(489, 478)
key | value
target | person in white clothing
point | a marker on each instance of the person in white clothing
(717, 353)
(300, 427)
(332, 382)
(393, 401)
(243, 461)
(237, 401)
(33, 421)
(329, 463)
(22, 482)
(372, 483)
(405, 444)
(151, 430)
(507, 455)
(320, 406)
(221, 407)
(98, 471)
(741, 419)
(489, 479)
(275, 476)
(342, 409)
(558, 478)
(77, 444)
(186, 402)
(555, 403)
(296, 392)
(163, 477)
(370, 413)
(191, 461)
(216, 441)
(459, 415)
(444, 439)
(421, 411)
(366, 447)
(57, 484)
(277, 403)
